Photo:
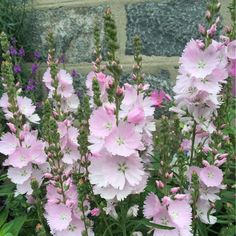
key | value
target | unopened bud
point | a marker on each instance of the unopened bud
(175, 189)
(159, 184)
(202, 29)
(205, 163)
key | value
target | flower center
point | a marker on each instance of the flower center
(120, 141)
(67, 151)
(164, 221)
(63, 216)
(174, 215)
(201, 64)
(22, 158)
(122, 167)
(108, 125)
(23, 173)
(192, 90)
(210, 175)
(72, 228)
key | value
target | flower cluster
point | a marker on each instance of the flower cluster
(202, 73)
(117, 136)
(61, 210)
(62, 86)
(26, 158)
(174, 213)
(210, 180)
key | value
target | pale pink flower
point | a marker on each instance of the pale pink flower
(97, 144)
(19, 175)
(181, 213)
(152, 206)
(27, 109)
(198, 62)
(71, 155)
(163, 218)
(75, 228)
(58, 216)
(20, 158)
(136, 115)
(211, 176)
(209, 193)
(101, 122)
(116, 171)
(65, 86)
(231, 50)
(4, 101)
(25, 187)
(47, 79)
(8, 144)
(110, 193)
(123, 140)
(203, 208)
(130, 95)
(158, 97)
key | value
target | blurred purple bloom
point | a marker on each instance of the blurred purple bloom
(34, 68)
(21, 52)
(74, 73)
(17, 69)
(31, 85)
(78, 93)
(37, 55)
(62, 58)
(12, 51)
(38, 105)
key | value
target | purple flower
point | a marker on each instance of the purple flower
(21, 52)
(62, 58)
(17, 69)
(37, 55)
(34, 68)
(78, 93)
(12, 51)
(31, 85)
(74, 73)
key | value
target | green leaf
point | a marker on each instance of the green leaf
(13, 227)
(3, 216)
(153, 225)
(6, 189)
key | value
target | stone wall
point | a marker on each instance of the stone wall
(163, 25)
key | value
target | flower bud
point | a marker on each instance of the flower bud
(48, 175)
(205, 163)
(159, 184)
(95, 212)
(180, 196)
(119, 91)
(208, 15)
(166, 200)
(202, 29)
(11, 127)
(175, 189)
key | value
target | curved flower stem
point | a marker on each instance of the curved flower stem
(193, 142)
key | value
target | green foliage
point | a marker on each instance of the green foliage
(13, 20)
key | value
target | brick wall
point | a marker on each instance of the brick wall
(163, 25)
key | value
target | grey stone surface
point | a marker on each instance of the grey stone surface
(72, 29)
(164, 26)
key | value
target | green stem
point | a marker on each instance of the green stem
(193, 142)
